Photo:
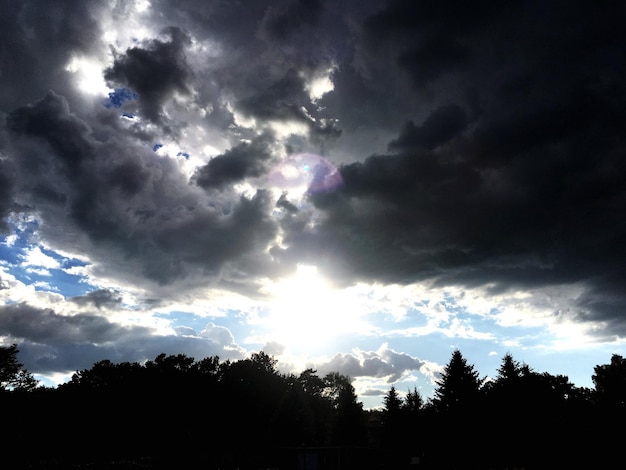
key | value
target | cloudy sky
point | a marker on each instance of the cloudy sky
(351, 186)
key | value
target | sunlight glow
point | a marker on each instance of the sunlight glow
(88, 75)
(142, 5)
(320, 84)
(307, 313)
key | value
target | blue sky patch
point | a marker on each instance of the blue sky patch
(119, 96)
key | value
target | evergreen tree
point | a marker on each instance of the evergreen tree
(413, 401)
(458, 386)
(392, 402)
(458, 418)
(510, 370)
(393, 438)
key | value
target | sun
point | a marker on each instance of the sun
(307, 314)
(88, 75)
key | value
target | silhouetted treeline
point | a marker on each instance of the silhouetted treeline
(222, 414)
(176, 412)
(520, 419)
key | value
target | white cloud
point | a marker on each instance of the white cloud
(319, 83)
(35, 257)
(218, 334)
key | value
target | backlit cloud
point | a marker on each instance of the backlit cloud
(450, 171)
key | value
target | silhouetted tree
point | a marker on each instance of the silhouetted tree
(413, 402)
(520, 399)
(247, 410)
(13, 376)
(171, 365)
(610, 383)
(392, 403)
(605, 425)
(349, 421)
(315, 409)
(264, 362)
(510, 371)
(457, 403)
(393, 435)
(105, 375)
(312, 384)
(459, 385)
(209, 367)
(511, 407)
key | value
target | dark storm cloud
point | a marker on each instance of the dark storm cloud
(431, 39)
(280, 100)
(6, 194)
(297, 18)
(285, 99)
(128, 200)
(55, 152)
(38, 41)
(268, 51)
(441, 126)
(50, 121)
(209, 240)
(246, 160)
(545, 215)
(233, 24)
(515, 183)
(155, 72)
(497, 129)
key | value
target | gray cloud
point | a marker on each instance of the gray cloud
(386, 363)
(50, 342)
(155, 71)
(126, 199)
(51, 121)
(218, 334)
(69, 357)
(6, 194)
(284, 203)
(428, 41)
(246, 160)
(39, 40)
(266, 57)
(99, 298)
(293, 20)
(46, 326)
(440, 127)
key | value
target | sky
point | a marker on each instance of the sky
(348, 186)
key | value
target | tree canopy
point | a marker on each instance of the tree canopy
(13, 376)
(247, 413)
(610, 382)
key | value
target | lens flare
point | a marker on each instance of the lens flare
(306, 173)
